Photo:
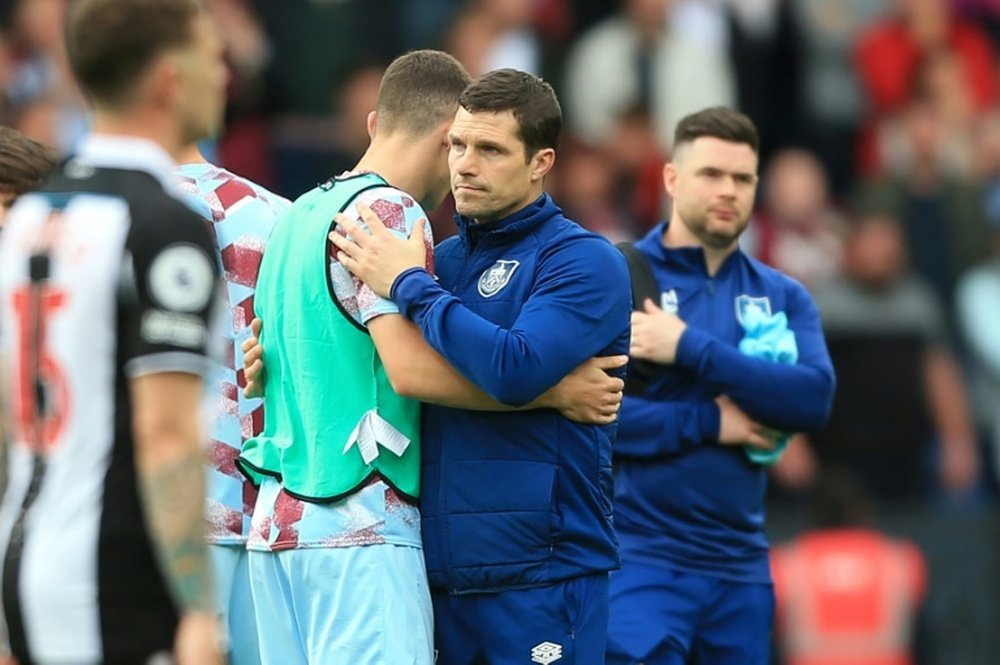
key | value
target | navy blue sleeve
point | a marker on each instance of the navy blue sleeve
(654, 428)
(579, 304)
(788, 397)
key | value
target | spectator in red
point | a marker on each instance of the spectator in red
(846, 593)
(890, 52)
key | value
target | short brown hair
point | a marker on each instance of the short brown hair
(717, 122)
(419, 91)
(533, 101)
(24, 162)
(111, 43)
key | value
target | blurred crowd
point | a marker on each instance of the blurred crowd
(880, 174)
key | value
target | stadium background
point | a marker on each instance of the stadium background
(886, 108)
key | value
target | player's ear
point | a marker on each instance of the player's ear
(161, 86)
(372, 121)
(443, 131)
(542, 163)
(670, 178)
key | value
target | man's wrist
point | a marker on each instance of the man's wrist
(548, 399)
(709, 421)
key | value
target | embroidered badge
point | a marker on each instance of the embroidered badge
(496, 277)
(669, 302)
(745, 302)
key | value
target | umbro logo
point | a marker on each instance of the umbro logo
(545, 653)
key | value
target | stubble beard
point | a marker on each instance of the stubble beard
(473, 207)
(699, 226)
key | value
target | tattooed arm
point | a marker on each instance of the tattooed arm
(171, 472)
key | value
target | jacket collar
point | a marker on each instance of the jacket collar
(518, 224)
(687, 259)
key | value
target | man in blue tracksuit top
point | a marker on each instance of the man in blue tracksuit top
(516, 506)
(695, 585)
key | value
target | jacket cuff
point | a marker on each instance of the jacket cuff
(709, 421)
(412, 287)
(692, 347)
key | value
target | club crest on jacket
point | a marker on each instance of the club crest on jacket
(496, 277)
(745, 302)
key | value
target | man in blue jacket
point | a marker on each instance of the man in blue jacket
(516, 506)
(695, 586)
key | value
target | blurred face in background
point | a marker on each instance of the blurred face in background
(795, 187)
(510, 13)
(354, 102)
(633, 140)
(651, 13)
(876, 253)
(713, 184)
(38, 24)
(586, 178)
(923, 131)
(927, 20)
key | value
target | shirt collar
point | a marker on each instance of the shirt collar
(515, 224)
(690, 258)
(129, 152)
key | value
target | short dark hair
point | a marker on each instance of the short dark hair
(419, 91)
(111, 43)
(24, 162)
(533, 101)
(718, 122)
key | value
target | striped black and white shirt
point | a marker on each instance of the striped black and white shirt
(105, 276)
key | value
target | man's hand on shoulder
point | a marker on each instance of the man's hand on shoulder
(588, 394)
(655, 334)
(377, 257)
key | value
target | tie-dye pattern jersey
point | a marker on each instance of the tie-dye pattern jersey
(374, 514)
(241, 216)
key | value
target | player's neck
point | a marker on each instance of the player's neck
(139, 125)
(402, 163)
(679, 235)
(191, 155)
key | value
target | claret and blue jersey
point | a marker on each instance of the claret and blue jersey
(681, 499)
